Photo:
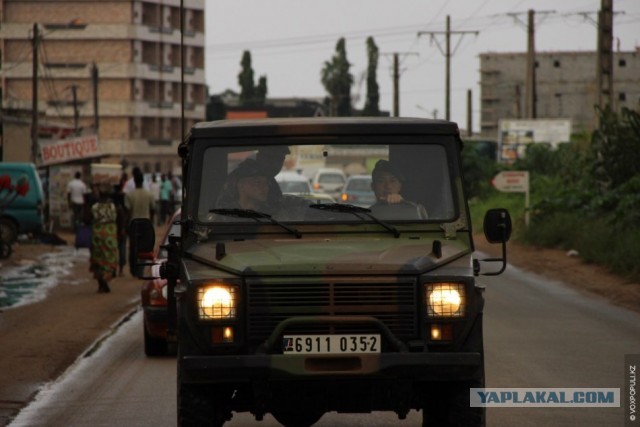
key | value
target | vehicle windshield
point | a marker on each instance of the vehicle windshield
(395, 182)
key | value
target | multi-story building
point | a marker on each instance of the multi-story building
(135, 46)
(566, 87)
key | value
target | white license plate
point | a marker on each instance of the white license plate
(331, 344)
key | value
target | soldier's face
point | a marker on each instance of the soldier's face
(253, 189)
(385, 184)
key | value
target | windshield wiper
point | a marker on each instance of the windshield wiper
(250, 213)
(356, 210)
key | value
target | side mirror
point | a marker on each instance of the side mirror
(142, 241)
(497, 225)
(497, 229)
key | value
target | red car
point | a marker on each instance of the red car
(153, 296)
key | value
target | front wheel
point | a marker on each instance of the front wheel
(298, 419)
(449, 407)
(8, 230)
(153, 346)
(5, 250)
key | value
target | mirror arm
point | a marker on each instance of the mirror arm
(504, 255)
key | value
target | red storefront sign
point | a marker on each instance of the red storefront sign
(65, 150)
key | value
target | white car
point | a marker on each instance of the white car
(293, 183)
(330, 181)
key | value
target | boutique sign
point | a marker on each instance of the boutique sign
(69, 149)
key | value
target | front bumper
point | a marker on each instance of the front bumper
(417, 366)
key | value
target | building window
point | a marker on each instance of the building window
(622, 96)
(556, 64)
(622, 63)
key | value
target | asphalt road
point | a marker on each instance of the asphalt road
(537, 334)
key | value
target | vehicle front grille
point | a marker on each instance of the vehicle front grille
(392, 303)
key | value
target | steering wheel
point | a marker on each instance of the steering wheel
(396, 211)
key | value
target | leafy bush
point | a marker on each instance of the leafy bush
(585, 194)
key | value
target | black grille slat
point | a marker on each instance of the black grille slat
(394, 304)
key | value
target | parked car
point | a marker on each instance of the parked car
(293, 183)
(153, 298)
(357, 191)
(21, 201)
(330, 181)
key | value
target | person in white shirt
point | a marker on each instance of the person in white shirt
(76, 189)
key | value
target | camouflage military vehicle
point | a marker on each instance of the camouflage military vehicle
(298, 306)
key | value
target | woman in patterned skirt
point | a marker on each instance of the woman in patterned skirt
(104, 239)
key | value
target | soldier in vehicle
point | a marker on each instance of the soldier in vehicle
(387, 183)
(247, 187)
(268, 161)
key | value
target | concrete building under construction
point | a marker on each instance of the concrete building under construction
(566, 87)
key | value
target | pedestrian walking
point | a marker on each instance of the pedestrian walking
(122, 222)
(166, 187)
(154, 187)
(139, 204)
(104, 239)
(76, 189)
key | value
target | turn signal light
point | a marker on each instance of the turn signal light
(222, 334)
(441, 332)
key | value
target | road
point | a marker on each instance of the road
(537, 334)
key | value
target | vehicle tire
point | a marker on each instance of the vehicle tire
(448, 404)
(298, 419)
(154, 347)
(5, 250)
(450, 408)
(8, 230)
(200, 405)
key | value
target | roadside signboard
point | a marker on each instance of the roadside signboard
(515, 135)
(514, 182)
(65, 150)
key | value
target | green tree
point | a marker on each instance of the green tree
(245, 79)
(261, 90)
(616, 145)
(337, 81)
(372, 103)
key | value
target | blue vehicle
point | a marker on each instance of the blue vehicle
(21, 201)
(358, 192)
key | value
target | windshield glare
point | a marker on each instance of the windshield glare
(408, 182)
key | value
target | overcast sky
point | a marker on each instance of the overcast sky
(290, 40)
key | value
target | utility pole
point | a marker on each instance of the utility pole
(396, 86)
(447, 53)
(469, 114)
(35, 42)
(396, 79)
(531, 93)
(530, 78)
(76, 114)
(605, 54)
(94, 83)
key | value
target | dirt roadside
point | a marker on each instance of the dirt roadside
(41, 340)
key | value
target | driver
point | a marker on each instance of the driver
(387, 183)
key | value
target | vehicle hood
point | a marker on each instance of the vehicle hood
(323, 256)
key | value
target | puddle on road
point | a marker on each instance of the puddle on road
(29, 283)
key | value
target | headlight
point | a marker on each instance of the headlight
(445, 300)
(217, 302)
